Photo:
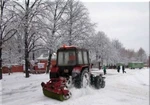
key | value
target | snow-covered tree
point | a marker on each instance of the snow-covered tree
(27, 13)
(101, 46)
(124, 56)
(52, 24)
(117, 47)
(141, 55)
(76, 25)
(11, 52)
(7, 26)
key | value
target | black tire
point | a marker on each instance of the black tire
(103, 84)
(79, 80)
(77, 83)
(97, 82)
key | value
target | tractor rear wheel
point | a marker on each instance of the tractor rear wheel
(83, 80)
(99, 82)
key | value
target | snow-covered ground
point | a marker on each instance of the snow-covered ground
(0, 92)
(131, 88)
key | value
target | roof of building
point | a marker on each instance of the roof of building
(45, 56)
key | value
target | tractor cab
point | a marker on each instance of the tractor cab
(69, 58)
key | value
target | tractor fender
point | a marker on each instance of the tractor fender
(85, 67)
(78, 70)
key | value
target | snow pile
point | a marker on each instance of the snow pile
(131, 88)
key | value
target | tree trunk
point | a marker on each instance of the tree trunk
(26, 39)
(26, 53)
(71, 23)
(99, 65)
(19, 51)
(1, 76)
(49, 62)
(26, 60)
(33, 56)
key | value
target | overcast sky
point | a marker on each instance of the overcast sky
(125, 21)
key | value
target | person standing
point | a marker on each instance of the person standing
(123, 69)
(118, 68)
(104, 69)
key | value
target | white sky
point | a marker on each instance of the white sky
(125, 21)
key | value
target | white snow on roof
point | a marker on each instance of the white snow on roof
(43, 57)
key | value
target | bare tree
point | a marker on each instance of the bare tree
(141, 55)
(101, 46)
(77, 26)
(28, 13)
(10, 53)
(6, 28)
(117, 47)
(53, 19)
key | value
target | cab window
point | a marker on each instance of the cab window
(80, 60)
(85, 57)
(66, 58)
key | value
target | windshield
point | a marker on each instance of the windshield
(66, 58)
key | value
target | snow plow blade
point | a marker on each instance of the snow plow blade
(53, 95)
(56, 89)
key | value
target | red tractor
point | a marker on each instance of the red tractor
(72, 69)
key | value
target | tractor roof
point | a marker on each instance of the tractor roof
(70, 47)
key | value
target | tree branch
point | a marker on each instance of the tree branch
(4, 40)
(19, 5)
